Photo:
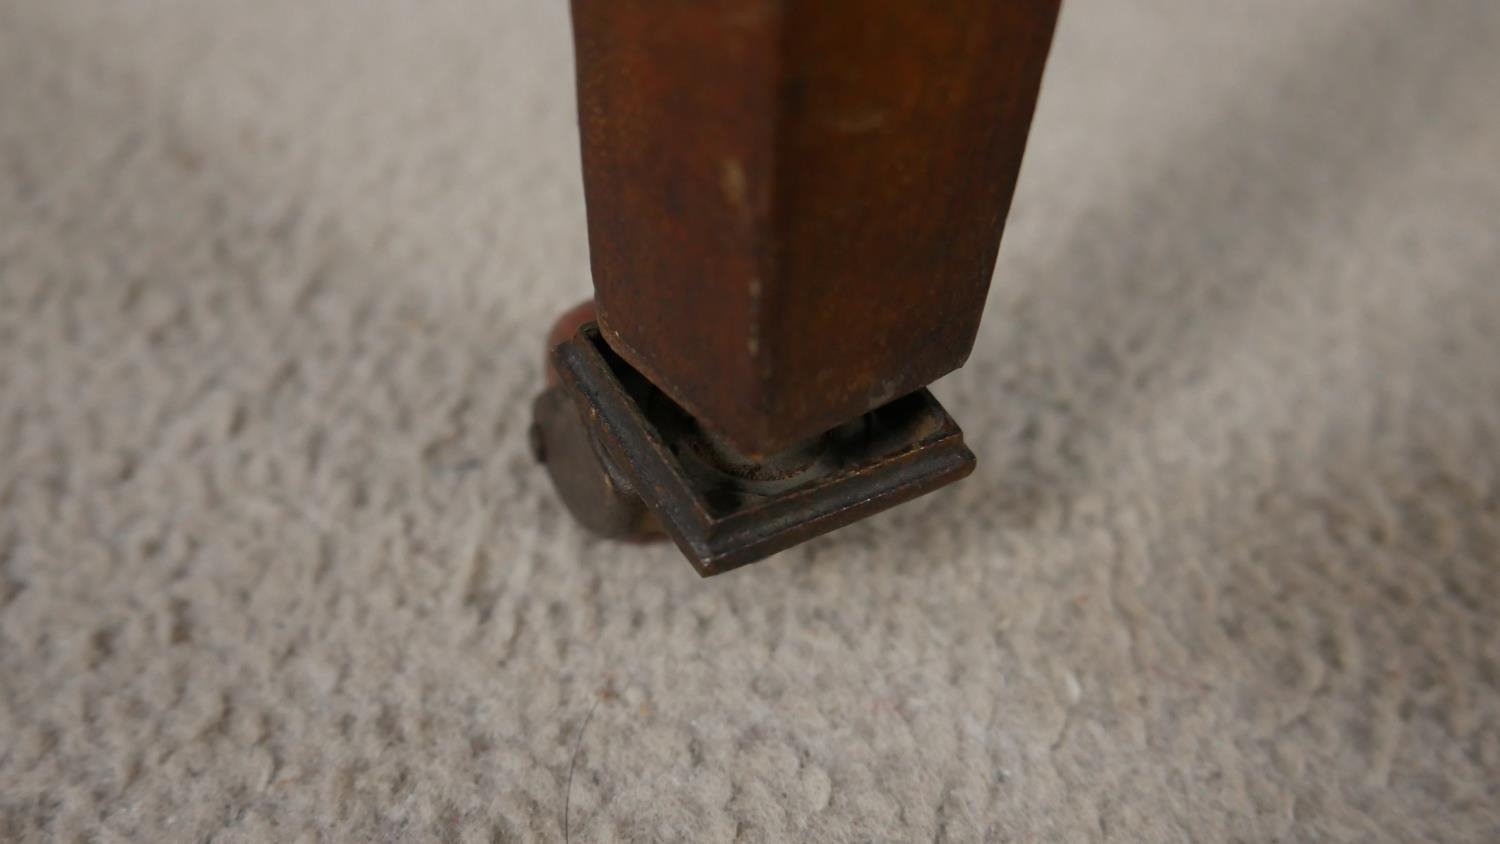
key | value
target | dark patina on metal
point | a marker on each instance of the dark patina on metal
(594, 489)
(627, 450)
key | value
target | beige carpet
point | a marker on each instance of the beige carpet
(276, 565)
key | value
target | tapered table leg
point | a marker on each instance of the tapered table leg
(794, 211)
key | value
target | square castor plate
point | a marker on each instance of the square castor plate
(724, 509)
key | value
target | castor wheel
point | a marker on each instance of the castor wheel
(593, 489)
(632, 464)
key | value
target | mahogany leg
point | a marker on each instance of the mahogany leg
(794, 211)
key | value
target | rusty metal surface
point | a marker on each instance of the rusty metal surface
(794, 208)
(725, 509)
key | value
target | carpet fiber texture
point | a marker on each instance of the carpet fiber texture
(275, 564)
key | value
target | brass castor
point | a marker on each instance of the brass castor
(629, 463)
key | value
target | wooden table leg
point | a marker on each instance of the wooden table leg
(794, 209)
